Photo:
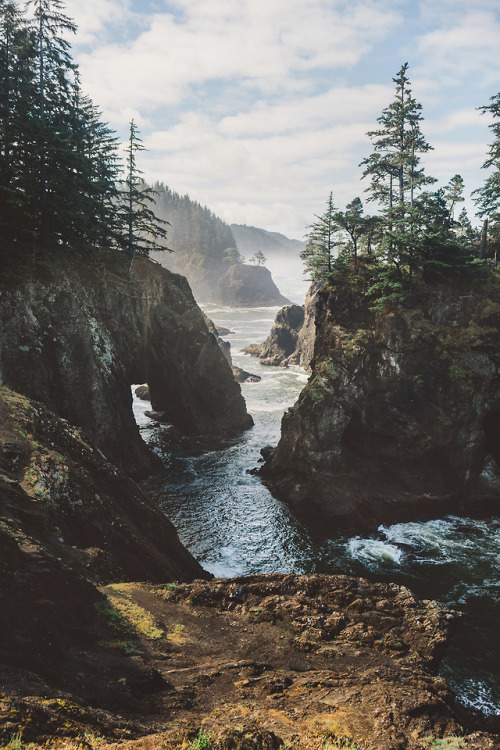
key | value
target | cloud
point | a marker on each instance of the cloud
(269, 47)
(94, 16)
(466, 47)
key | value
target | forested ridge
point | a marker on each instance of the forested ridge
(197, 236)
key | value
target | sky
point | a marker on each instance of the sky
(260, 108)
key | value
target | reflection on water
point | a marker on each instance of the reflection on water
(233, 525)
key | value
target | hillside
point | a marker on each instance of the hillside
(250, 239)
(203, 245)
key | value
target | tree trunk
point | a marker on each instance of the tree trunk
(484, 234)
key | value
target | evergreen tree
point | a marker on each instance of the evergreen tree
(17, 90)
(394, 167)
(453, 195)
(322, 241)
(143, 230)
(353, 223)
(258, 258)
(487, 197)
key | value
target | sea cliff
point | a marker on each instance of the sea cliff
(400, 418)
(79, 335)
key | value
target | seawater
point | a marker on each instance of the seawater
(233, 525)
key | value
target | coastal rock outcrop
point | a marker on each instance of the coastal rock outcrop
(269, 661)
(249, 286)
(69, 520)
(79, 336)
(400, 418)
(291, 340)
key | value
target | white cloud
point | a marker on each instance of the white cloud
(93, 16)
(273, 47)
(260, 108)
(468, 46)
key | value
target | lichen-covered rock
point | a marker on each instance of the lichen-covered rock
(79, 337)
(249, 286)
(401, 416)
(59, 492)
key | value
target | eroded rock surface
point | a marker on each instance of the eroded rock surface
(291, 340)
(401, 416)
(69, 520)
(77, 339)
(266, 662)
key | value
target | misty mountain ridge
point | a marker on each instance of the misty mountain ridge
(251, 239)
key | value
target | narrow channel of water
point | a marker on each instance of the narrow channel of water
(233, 525)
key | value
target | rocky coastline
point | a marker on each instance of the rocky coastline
(400, 417)
(89, 657)
(77, 338)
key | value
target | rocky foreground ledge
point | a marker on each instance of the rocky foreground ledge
(269, 662)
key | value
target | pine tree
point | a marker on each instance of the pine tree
(322, 241)
(487, 197)
(258, 258)
(353, 223)
(16, 96)
(141, 230)
(396, 175)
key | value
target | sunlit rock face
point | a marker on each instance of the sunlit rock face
(249, 286)
(77, 339)
(401, 416)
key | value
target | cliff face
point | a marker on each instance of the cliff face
(401, 416)
(68, 520)
(249, 286)
(291, 340)
(78, 339)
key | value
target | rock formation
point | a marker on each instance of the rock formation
(68, 520)
(256, 663)
(291, 340)
(78, 338)
(401, 416)
(249, 286)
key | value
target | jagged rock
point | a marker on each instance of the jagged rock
(69, 520)
(249, 286)
(400, 418)
(242, 375)
(60, 492)
(291, 340)
(77, 339)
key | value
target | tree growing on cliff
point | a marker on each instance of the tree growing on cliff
(258, 258)
(322, 244)
(141, 230)
(395, 172)
(354, 224)
(487, 197)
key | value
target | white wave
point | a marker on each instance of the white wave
(374, 552)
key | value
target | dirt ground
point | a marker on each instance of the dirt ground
(265, 662)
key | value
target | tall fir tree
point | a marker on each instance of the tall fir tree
(142, 231)
(487, 198)
(322, 244)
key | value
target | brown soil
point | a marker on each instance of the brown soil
(268, 662)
